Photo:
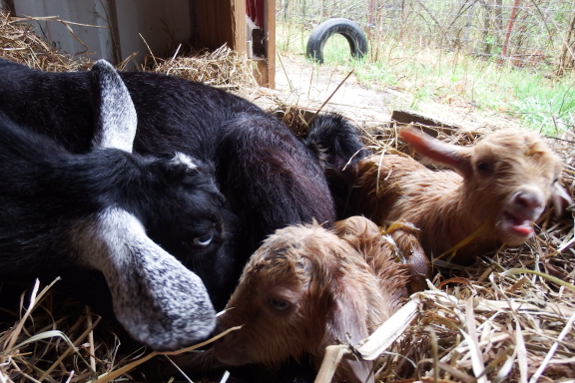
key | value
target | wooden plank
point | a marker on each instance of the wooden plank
(221, 22)
(238, 20)
(424, 121)
(270, 12)
(266, 65)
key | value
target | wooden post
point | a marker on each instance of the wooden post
(269, 66)
(222, 22)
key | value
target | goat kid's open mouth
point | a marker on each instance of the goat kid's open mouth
(517, 225)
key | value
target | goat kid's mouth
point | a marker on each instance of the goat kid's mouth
(517, 225)
(229, 356)
(228, 351)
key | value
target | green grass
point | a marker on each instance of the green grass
(541, 101)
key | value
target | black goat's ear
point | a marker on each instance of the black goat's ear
(159, 301)
(115, 115)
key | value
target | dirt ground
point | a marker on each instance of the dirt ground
(302, 84)
(308, 86)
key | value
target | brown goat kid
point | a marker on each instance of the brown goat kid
(305, 289)
(500, 186)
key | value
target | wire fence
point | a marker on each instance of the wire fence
(522, 33)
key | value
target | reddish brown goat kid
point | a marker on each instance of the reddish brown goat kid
(305, 289)
(499, 188)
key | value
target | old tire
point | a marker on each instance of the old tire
(347, 28)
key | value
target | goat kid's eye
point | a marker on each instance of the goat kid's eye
(204, 240)
(483, 166)
(279, 304)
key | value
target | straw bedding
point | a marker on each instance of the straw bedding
(508, 318)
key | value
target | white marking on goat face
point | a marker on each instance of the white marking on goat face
(183, 159)
(159, 301)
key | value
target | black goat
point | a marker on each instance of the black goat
(270, 178)
(89, 210)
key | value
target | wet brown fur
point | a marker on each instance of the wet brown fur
(446, 206)
(338, 292)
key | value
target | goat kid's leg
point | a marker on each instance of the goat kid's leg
(411, 253)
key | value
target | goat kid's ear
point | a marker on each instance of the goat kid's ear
(451, 155)
(348, 326)
(561, 199)
(115, 115)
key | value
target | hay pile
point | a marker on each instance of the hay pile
(222, 68)
(18, 42)
(508, 318)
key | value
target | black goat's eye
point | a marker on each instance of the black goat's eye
(279, 304)
(204, 240)
(483, 166)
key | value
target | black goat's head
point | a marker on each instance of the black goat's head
(156, 298)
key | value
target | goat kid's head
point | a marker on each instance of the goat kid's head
(302, 290)
(509, 175)
(157, 299)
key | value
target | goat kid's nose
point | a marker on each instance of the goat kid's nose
(529, 201)
(226, 339)
(228, 349)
